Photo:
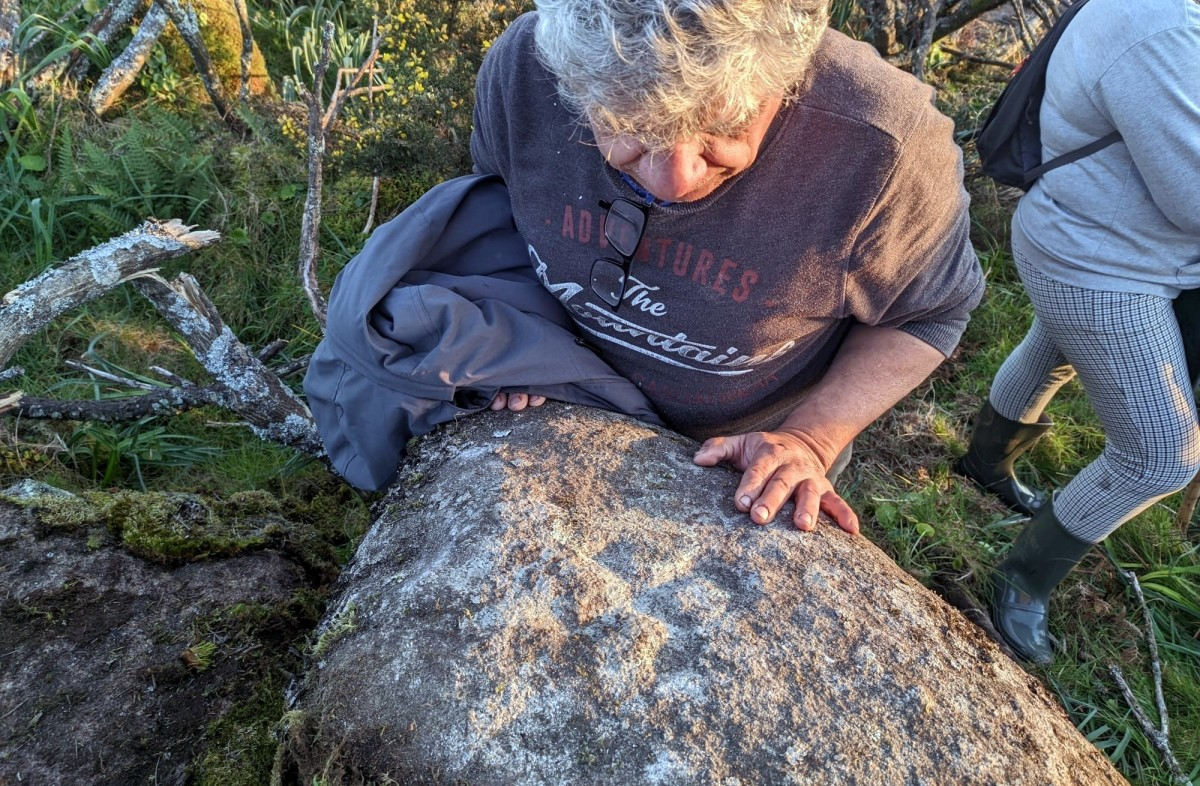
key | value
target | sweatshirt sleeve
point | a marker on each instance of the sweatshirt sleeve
(1163, 72)
(489, 134)
(913, 267)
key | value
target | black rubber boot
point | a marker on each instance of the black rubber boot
(996, 442)
(1041, 556)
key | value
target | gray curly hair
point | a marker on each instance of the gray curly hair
(666, 71)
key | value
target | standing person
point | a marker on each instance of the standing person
(754, 218)
(1103, 246)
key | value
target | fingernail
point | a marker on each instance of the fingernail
(763, 512)
(745, 501)
(805, 521)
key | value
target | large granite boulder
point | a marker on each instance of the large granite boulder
(560, 597)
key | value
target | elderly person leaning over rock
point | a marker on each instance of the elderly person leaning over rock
(752, 217)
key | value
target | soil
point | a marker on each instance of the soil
(116, 669)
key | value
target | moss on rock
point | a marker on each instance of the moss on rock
(221, 32)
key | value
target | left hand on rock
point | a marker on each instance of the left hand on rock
(778, 466)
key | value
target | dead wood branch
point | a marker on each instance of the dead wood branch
(1154, 735)
(1027, 36)
(320, 119)
(925, 41)
(1187, 506)
(241, 383)
(26, 310)
(122, 71)
(374, 205)
(247, 48)
(1159, 737)
(188, 25)
(108, 26)
(961, 13)
(251, 390)
(271, 350)
(970, 58)
(166, 401)
(310, 225)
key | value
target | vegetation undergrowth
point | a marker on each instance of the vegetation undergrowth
(197, 485)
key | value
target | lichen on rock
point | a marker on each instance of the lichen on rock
(554, 613)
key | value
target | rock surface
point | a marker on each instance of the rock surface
(560, 597)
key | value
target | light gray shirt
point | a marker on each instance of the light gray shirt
(1125, 219)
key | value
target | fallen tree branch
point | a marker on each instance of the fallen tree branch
(1157, 739)
(241, 383)
(188, 25)
(271, 350)
(970, 58)
(26, 310)
(250, 389)
(123, 70)
(166, 401)
(109, 25)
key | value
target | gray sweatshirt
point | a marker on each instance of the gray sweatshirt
(1125, 219)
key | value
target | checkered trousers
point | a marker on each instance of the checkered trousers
(1127, 352)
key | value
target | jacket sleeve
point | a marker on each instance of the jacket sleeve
(366, 425)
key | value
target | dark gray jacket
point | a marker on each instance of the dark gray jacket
(439, 312)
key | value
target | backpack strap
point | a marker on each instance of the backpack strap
(1074, 155)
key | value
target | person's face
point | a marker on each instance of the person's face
(690, 170)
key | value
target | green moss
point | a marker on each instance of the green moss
(60, 512)
(222, 35)
(240, 746)
(343, 623)
(173, 527)
(241, 743)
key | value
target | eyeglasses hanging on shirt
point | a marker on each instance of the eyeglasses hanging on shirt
(624, 225)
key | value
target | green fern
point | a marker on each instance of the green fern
(140, 166)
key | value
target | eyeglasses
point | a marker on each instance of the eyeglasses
(624, 225)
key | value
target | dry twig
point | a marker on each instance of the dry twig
(320, 119)
(1159, 737)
